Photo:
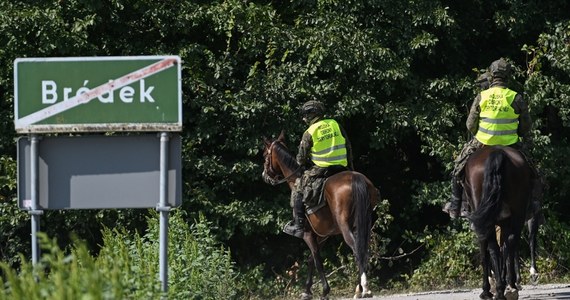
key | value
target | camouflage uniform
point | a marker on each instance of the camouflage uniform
(304, 184)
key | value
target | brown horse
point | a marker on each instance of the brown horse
(498, 184)
(350, 198)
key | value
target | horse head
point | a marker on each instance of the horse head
(272, 171)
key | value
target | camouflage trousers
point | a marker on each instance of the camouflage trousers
(307, 187)
(460, 161)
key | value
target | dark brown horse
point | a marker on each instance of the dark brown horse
(350, 198)
(498, 183)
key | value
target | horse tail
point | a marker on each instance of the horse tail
(490, 207)
(363, 219)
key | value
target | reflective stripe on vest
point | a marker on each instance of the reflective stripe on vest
(498, 122)
(329, 146)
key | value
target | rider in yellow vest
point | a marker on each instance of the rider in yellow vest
(498, 121)
(498, 116)
(323, 145)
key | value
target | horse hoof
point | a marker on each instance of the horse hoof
(367, 294)
(486, 296)
(357, 294)
(511, 294)
(499, 297)
(306, 296)
(534, 279)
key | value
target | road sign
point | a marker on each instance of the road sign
(89, 94)
(96, 172)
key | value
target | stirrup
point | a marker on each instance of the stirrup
(295, 230)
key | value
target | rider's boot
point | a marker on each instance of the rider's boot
(454, 205)
(296, 227)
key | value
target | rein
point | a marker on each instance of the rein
(273, 180)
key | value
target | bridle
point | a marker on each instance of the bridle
(270, 175)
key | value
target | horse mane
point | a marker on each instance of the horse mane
(288, 160)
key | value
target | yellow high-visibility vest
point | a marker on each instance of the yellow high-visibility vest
(329, 146)
(498, 122)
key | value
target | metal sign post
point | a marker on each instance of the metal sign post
(164, 210)
(34, 212)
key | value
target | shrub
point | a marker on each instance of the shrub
(452, 261)
(127, 267)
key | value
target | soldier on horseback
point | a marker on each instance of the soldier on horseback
(323, 145)
(498, 116)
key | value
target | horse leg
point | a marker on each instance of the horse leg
(518, 278)
(349, 239)
(320, 269)
(358, 234)
(511, 248)
(361, 290)
(532, 231)
(318, 263)
(308, 294)
(485, 263)
(497, 264)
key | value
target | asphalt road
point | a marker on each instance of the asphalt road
(538, 292)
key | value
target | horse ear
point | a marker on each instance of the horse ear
(282, 136)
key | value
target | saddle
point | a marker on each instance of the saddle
(314, 194)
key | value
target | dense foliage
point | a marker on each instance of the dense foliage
(397, 74)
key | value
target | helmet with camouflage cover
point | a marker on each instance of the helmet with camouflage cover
(500, 68)
(312, 109)
(484, 80)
